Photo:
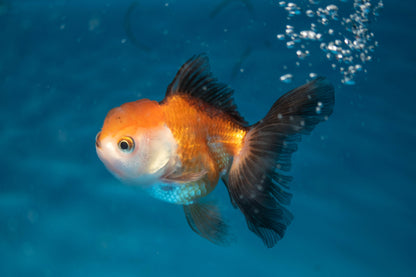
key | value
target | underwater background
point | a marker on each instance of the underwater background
(65, 64)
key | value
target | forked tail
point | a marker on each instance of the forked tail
(255, 183)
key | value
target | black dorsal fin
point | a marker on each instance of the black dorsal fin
(195, 79)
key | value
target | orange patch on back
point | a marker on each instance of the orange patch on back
(202, 130)
(131, 116)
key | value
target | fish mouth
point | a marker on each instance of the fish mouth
(97, 140)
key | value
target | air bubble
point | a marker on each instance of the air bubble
(287, 78)
(280, 36)
(292, 9)
(332, 11)
(348, 81)
(314, 1)
(290, 44)
(310, 13)
(302, 55)
(352, 45)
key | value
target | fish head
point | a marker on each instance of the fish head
(135, 144)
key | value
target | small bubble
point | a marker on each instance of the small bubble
(289, 29)
(290, 44)
(302, 55)
(310, 35)
(318, 110)
(287, 78)
(292, 9)
(348, 81)
(310, 13)
(312, 75)
(280, 36)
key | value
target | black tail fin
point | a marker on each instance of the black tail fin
(254, 183)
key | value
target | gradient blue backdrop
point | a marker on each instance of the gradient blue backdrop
(64, 64)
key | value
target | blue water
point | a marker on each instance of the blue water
(64, 64)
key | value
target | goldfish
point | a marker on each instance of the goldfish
(179, 148)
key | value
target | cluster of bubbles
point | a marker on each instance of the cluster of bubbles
(348, 48)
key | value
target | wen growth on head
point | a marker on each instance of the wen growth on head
(179, 148)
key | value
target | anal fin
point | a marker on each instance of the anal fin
(206, 221)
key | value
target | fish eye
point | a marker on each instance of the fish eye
(126, 144)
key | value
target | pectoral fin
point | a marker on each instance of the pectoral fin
(183, 177)
(206, 221)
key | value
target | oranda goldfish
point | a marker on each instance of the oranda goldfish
(178, 149)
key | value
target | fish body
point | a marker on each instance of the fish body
(178, 149)
(207, 139)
